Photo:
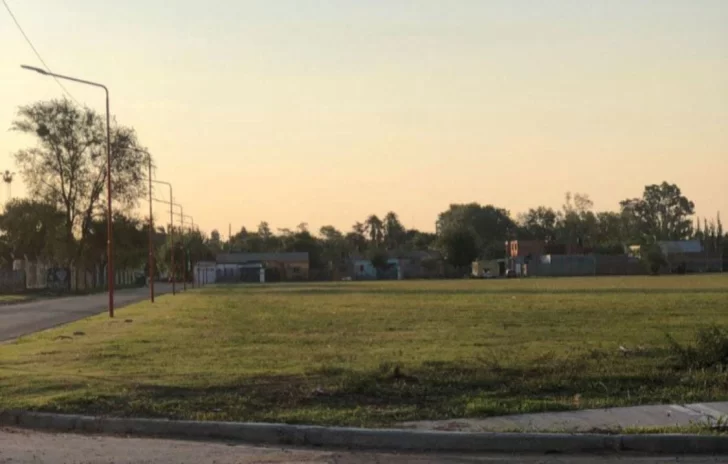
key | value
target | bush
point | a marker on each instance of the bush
(710, 349)
(654, 259)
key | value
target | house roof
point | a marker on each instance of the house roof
(681, 246)
(240, 258)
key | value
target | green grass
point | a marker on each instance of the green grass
(372, 354)
(14, 298)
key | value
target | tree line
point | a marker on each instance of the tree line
(65, 221)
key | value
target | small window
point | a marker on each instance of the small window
(361, 268)
(296, 269)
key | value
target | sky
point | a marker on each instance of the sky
(327, 111)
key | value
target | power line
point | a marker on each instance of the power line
(37, 54)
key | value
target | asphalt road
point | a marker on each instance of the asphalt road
(24, 318)
(21, 446)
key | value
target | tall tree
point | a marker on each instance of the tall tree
(459, 246)
(719, 225)
(356, 239)
(663, 213)
(538, 223)
(303, 241)
(334, 246)
(491, 226)
(417, 240)
(32, 229)
(67, 167)
(394, 231)
(698, 234)
(214, 243)
(577, 224)
(610, 229)
(375, 229)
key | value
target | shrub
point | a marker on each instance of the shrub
(654, 259)
(709, 349)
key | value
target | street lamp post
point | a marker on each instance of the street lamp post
(109, 216)
(151, 234)
(192, 220)
(171, 218)
(151, 223)
(171, 226)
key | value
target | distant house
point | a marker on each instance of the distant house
(541, 258)
(400, 265)
(690, 256)
(205, 272)
(246, 267)
(489, 268)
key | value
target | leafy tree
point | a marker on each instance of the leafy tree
(67, 167)
(31, 229)
(356, 239)
(459, 245)
(698, 234)
(577, 224)
(612, 229)
(375, 229)
(663, 213)
(539, 223)
(654, 258)
(380, 261)
(214, 243)
(334, 246)
(394, 231)
(491, 226)
(254, 242)
(421, 241)
(719, 226)
(131, 244)
(303, 241)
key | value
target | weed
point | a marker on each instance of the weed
(709, 350)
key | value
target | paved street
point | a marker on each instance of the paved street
(24, 318)
(21, 446)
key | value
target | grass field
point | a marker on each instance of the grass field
(371, 354)
(13, 299)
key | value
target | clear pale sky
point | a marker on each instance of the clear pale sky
(326, 111)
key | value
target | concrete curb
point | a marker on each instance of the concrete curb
(377, 439)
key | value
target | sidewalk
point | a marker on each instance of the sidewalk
(590, 420)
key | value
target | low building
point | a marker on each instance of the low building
(524, 248)
(363, 269)
(489, 268)
(400, 265)
(205, 272)
(246, 267)
(690, 256)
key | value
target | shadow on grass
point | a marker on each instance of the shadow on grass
(395, 393)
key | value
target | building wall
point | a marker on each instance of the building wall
(481, 267)
(365, 270)
(619, 265)
(297, 270)
(562, 266)
(12, 281)
(695, 262)
(585, 265)
(275, 271)
(205, 273)
(516, 248)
